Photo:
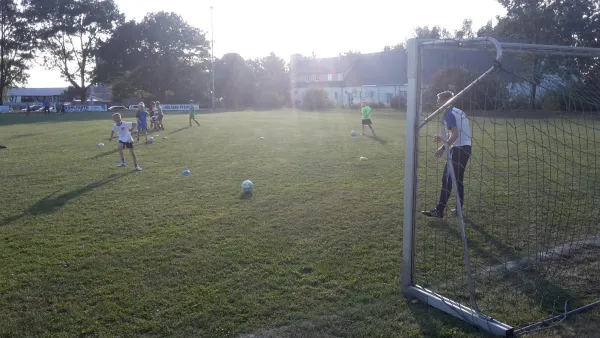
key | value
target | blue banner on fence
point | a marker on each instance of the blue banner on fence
(167, 107)
(78, 109)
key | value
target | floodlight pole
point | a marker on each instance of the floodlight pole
(212, 50)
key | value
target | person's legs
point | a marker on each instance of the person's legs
(120, 147)
(372, 130)
(133, 156)
(462, 159)
(198, 123)
(459, 157)
(446, 189)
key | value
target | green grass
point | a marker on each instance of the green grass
(89, 249)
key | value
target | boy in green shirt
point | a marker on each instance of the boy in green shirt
(366, 118)
(193, 114)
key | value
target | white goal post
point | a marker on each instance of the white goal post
(509, 262)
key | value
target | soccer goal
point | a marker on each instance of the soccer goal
(523, 251)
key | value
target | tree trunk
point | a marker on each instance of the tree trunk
(82, 95)
(2, 65)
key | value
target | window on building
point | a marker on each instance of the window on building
(372, 94)
(388, 97)
(317, 77)
(329, 77)
(307, 78)
(340, 77)
(335, 95)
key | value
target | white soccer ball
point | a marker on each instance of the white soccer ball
(353, 133)
(100, 145)
(247, 186)
(164, 137)
(150, 139)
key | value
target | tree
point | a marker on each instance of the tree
(490, 94)
(466, 30)
(436, 32)
(70, 32)
(162, 57)
(574, 23)
(398, 46)
(351, 53)
(272, 81)
(233, 80)
(315, 99)
(17, 44)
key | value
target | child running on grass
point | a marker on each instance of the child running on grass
(366, 118)
(193, 114)
(142, 124)
(151, 113)
(160, 116)
(123, 130)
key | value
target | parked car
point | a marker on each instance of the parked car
(41, 109)
(34, 107)
(116, 108)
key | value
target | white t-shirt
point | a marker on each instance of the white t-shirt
(123, 130)
(455, 117)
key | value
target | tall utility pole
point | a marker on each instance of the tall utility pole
(212, 50)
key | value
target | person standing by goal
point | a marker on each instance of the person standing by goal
(459, 141)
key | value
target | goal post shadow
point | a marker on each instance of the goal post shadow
(510, 262)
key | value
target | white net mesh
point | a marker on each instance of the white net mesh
(532, 189)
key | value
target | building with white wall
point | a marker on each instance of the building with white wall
(375, 78)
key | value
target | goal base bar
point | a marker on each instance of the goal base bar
(554, 319)
(461, 312)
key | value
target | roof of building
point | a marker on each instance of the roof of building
(390, 68)
(36, 91)
(334, 65)
(382, 68)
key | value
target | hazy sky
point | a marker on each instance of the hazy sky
(327, 27)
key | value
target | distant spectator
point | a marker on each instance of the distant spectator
(46, 106)
(28, 109)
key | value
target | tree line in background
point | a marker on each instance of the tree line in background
(164, 58)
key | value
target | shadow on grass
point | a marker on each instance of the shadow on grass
(377, 138)
(15, 137)
(51, 204)
(530, 288)
(246, 195)
(102, 154)
(491, 248)
(178, 130)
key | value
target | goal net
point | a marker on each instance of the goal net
(523, 251)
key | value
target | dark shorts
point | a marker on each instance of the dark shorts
(128, 145)
(366, 122)
(142, 126)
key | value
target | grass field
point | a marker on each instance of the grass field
(89, 249)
